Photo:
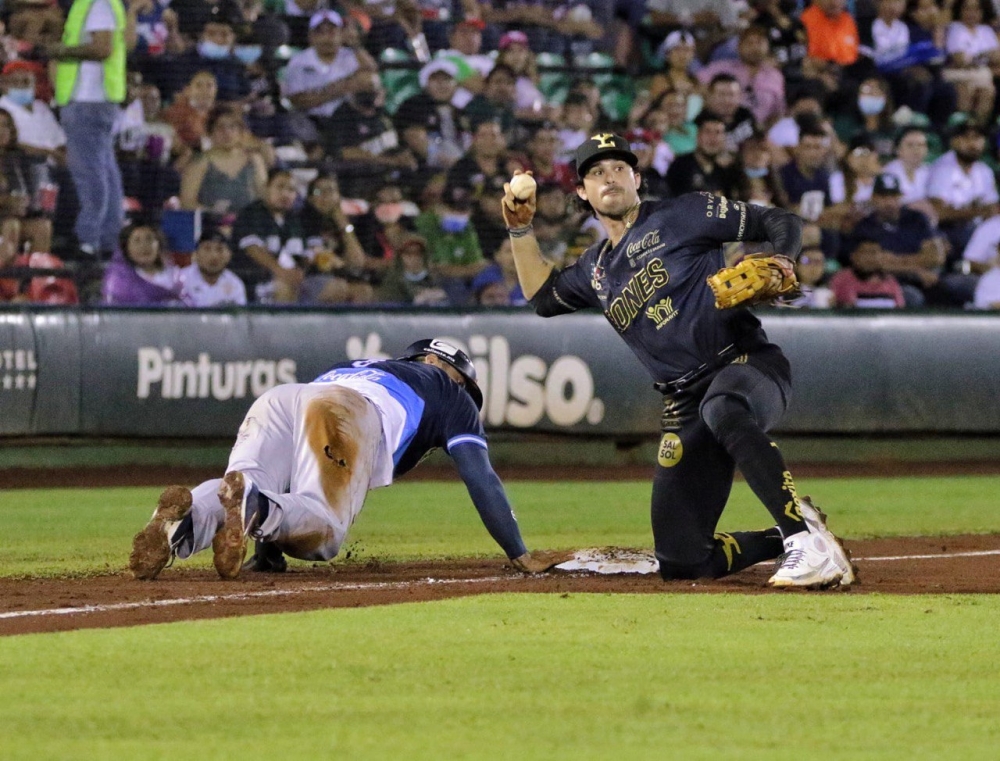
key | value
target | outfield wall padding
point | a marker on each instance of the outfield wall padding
(173, 373)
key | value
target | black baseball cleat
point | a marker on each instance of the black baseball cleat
(267, 558)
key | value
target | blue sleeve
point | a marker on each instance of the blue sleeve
(487, 493)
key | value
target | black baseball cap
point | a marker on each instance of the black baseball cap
(213, 234)
(603, 145)
(887, 185)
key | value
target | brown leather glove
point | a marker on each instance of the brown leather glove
(517, 213)
(540, 562)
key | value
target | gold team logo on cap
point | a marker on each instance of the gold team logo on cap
(604, 140)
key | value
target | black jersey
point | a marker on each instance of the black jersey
(652, 285)
(439, 412)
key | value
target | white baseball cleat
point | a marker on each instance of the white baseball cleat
(807, 563)
(155, 546)
(816, 521)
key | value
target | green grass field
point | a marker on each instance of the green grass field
(515, 676)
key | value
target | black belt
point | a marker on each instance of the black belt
(721, 359)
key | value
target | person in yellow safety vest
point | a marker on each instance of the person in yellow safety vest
(90, 90)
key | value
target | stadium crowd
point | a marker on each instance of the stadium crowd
(323, 152)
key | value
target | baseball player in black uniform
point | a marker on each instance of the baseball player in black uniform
(724, 384)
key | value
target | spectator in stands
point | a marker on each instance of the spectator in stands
(155, 27)
(90, 88)
(759, 182)
(529, 101)
(333, 239)
(556, 225)
(710, 20)
(973, 54)
(542, 158)
(365, 136)
(39, 133)
(455, 253)
(207, 282)
(710, 167)
(411, 280)
(886, 40)
(495, 103)
(987, 294)
(833, 48)
(654, 158)
(139, 273)
(864, 285)
(870, 123)
(194, 15)
(594, 94)
(678, 55)
(35, 23)
(432, 109)
(679, 134)
(390, 24)
(962, 187)
(483, 170)
(489, 289)
(576, 124)
(787, 38)
(810, 269)
(319, 79)
(213, 53)
(188, 114)
(228, 176)
(390, 219)
(805, 108)
(807, 180)
(723, 100)
(471, 64)
(852, 188)
(22, 220)
(912, 170)
(272, 255)
(552, 26)
(981, 254)
(904, 243)
(149, 154)
(761, 82)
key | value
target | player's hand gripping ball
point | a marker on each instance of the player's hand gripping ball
(523, 186)
(518, 204)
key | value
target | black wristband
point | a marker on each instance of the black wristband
(520, 232)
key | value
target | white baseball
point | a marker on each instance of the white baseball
(522, 186)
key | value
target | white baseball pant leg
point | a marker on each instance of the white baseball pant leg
(315, 464)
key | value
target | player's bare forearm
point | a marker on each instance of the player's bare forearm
(533, 269)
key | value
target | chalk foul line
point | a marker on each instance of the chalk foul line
(368, 586)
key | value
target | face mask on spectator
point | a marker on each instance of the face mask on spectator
(755, 172)
(248, 54)
(454, 223)
(212, 50)
(23, 96)
(389, 213)
(870, 105)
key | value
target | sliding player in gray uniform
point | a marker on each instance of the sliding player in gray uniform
(307, 454)
(724, 384)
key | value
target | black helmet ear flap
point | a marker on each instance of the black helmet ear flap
(453, 356)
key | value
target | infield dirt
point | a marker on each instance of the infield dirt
(45, 605)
